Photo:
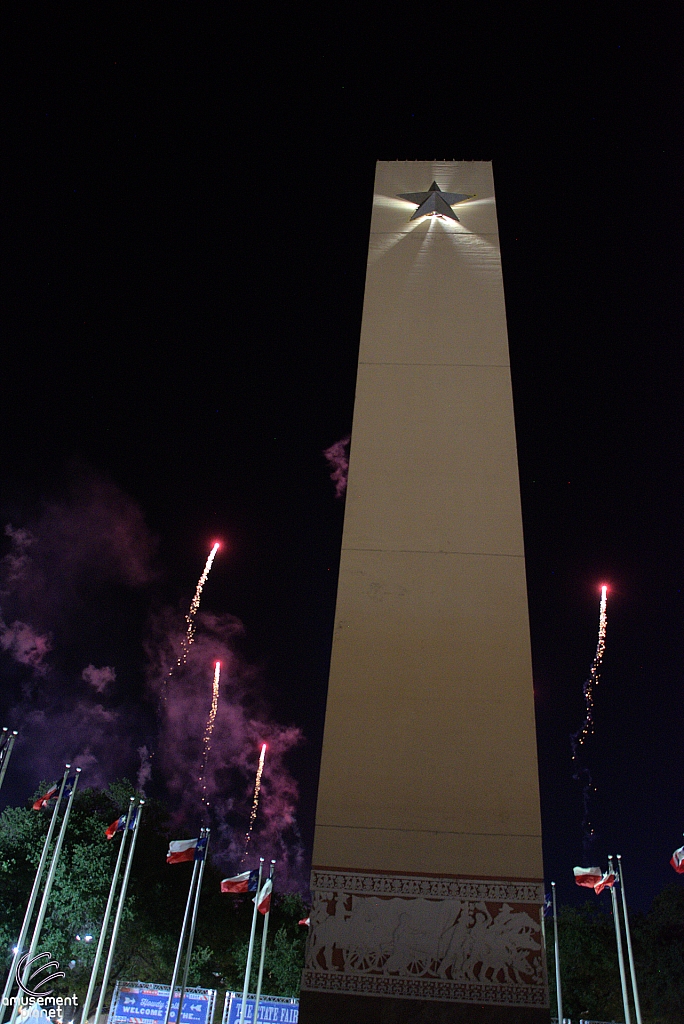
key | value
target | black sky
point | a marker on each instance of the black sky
(187, 197)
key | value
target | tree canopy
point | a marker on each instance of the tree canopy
(154, 907)
(590, 979)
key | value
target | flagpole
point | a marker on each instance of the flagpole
(556, 949)
(621, 959)
(38, 927)
(119, 912)
(191, 936)
(11, 977)
(263, 950)
(181, 940)
(107, 915)
(632, 971)
(248, 969)
(6, 753)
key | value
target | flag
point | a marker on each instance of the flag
(44, 800)
(607, 881)
(588, 876)
(305, 922)
(263, 899)
(116, 826)
(547, 909)
(677, 860)
(201, 848)
(120, 824)
(181, 850)
(246, 882)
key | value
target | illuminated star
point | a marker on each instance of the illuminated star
(434, 202)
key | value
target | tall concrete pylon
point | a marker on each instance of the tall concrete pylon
(427, 876)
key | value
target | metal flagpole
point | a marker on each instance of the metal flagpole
(119, 912)
(105, 920)
(6, 753)
(556, 948)
(621, 959)
(632, 971)
(179, 953)
(38, 927)
(248, 969)
(11, 977)
(191, 936)
(263, 950)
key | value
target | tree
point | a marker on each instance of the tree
(589, 967)
(81, 884)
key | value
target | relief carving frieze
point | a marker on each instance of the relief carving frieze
(426, 938)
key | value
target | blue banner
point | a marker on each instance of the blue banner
(137, 1004)
(271, 1009)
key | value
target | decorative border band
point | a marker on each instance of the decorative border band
(496, 890)
(425, 937)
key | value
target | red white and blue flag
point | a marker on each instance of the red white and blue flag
(305, 922)
(181, 850)
(677, 860)
(45, 799)
(594, 878)
(247, 881)
(120, 824)
(606, 882)
(588, 877)
(263, 898)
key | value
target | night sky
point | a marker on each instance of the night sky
(186, 204)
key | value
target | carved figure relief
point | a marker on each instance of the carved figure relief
(436, 945)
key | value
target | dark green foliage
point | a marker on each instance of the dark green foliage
(590, 976)
(154, 907)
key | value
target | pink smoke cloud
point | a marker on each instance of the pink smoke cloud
(338, 457)
(99, 678)
(61, 557)
(25, 644)
(241, 725)
(145, 769)
(85, 735)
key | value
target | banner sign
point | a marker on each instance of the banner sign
(142, 1003)
(271, 1009)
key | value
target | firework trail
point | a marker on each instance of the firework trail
(206, 741)
(255, 801)
(579, 738)
(190, 618)
(195, 603)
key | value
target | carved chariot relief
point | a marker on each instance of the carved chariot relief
(426, 938)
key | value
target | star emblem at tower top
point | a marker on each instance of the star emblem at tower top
(434, 202)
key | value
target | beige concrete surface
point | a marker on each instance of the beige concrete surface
(429, 760)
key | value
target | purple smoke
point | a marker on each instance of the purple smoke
(59, 559)
(338, 457)
(85, 735)
(26, 646)
(242, 724)
(145, 769)
(99, 678)
(60, 563)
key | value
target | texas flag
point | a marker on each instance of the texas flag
(44, 800)
(181, 850)
(245, 882)
(606, 882)
(119, 825)
(588, 876)
(306, 921)
(263, 899)
(677, 860)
